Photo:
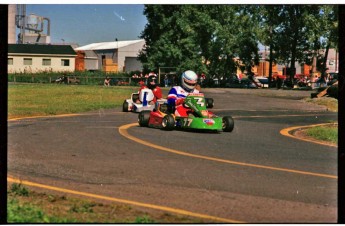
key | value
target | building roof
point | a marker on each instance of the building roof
(108, 45)
(41, 49)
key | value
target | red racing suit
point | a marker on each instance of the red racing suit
(157, 92)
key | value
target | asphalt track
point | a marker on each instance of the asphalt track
(259, 173)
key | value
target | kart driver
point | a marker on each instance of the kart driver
(152, 84)
(177, 94)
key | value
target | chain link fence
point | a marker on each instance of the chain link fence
(75, 78)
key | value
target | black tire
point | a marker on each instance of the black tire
(143, 118)
(168, 122)
(228, 123)
(125, 106)
(209, 102)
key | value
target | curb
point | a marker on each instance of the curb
(290, 132)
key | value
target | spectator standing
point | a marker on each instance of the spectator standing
(279, 82)
(166, 81)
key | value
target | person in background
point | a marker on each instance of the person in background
(166, 81)
(326, 77)
(279, 82)
(107, 81)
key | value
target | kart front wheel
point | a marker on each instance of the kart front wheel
(143, 118)
(168, 122)
(228, 124)
(125, 106)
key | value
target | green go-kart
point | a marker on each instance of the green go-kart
(192, 115)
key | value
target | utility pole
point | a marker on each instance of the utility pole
(313, 72)
(271, 60)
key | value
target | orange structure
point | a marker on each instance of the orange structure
(109, 66)
(79, 61)
(263, 68)
(306, 69)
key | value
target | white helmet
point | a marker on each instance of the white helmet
(188, 80)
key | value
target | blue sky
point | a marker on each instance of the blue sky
(85, 24)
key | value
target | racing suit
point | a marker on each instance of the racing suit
(157, 92)
(176, 98)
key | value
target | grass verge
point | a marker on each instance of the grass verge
(26, 206)
(327, 133)
(52, 99)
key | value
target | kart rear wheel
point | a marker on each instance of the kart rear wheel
(143, 118)
(209, 102)
(168, 122)
(228, 123)
(125, 106)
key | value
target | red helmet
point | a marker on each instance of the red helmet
(152, 73)
(152, 82)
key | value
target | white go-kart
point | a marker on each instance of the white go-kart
(140, 101)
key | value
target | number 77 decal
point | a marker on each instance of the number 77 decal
(188, 121)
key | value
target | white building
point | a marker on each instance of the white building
(32, 58)
(117, 56)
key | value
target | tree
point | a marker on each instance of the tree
(268, 23)
(233, 41)
(170, 38)
(328, 20)
(292, 34)
(217, 39)
(204, 38)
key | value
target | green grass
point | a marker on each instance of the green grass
(19, 211)
(324, 133)
(29, 213)
(52, 99)
(33, 207)
(19, 190)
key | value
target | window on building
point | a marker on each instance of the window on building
(10, 61)
(64, 62)
(46, 62)
(27, 61)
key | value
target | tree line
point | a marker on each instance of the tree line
(207, 38)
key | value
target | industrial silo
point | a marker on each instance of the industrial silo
(31, 28)
(12, 24)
